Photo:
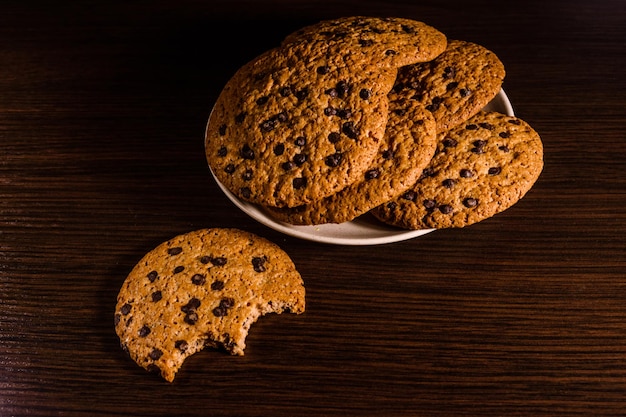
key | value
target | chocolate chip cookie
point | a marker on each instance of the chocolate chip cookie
(297, 124)
(482, 167)
(203, 288)
(455, 85)
(387, 41)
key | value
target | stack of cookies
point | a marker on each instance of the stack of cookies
(366, 114)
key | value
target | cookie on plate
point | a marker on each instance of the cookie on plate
(409, 144)
(203, 288)
(387, 41)
(481, 168)
(455, 85)
(297, 124)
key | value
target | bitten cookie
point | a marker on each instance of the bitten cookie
(455, 85)
(481, 168)
(203, 288)
(386, 41)
(409, 144)
(297, 124)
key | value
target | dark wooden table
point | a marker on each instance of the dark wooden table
(102, 113)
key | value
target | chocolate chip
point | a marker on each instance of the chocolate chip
(503, 148)
(245, 192)
(299, 159)
(219, 261)
(449, 72)
(125, 309)
(174, 251)
(464, 92)
(222, 130)
(181, 345)
(222, 151)
(344, 114)
(349, 130)
(156, 296)
(410, 195)
(332, 92)
(287, 166)
(258, 263)
(466, 173)
(504, 134)
(299, 183)
(219, 312)
(229, 169)
(302, 94)
(387, 154)
(179, 269)
(448, 183)
(427, 172)
(217, 285)
(281, 117)
(191, 318)
(333, 160)
(191, 305)
(433, 106)
(451, 86)
(449, 143)
(372, 174)
(152, 275)
(156, 354)
(365, 93)
(262, 100)
(514, 122)
(429, 204)
(153, 369)
(470, 202)
(487, 126)
(408, 29)
(300, 141)
(494, 170)
(268, 125)
(366, 42)
(246, 152)
(330, 111)
(222, 309)
(240, 118)
(144, 331)
(279, 149)
(400, 112)
(392, 205)
(334, 137)
(227, 302)
(198, 279)
(324, 69)
(247, 175)
(446, 209)
(479, 143)
(471, 126)
(390, 52)
(285, 91)
(342, 88)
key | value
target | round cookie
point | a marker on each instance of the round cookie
(409, 144)
(203, 288)
(297, 124)
(390, 41)
(481, 168)
(455, 85)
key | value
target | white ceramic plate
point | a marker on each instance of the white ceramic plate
(365, 230)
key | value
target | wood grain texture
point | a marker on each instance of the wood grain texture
(102, 114)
